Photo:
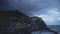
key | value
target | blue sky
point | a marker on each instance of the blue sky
(48, 10)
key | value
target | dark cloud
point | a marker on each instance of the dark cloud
(27, 6)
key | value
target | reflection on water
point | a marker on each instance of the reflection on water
(36, 32)
(42, 32)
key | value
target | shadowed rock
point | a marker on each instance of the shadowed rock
(8, 20)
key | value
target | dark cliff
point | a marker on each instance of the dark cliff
(8, 19)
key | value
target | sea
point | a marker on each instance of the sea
(52, 27)
(55, 28)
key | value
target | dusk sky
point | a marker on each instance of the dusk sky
(48, 10)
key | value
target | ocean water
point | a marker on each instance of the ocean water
(52, 27)
(55, 28)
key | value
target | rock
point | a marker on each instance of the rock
(8, 19)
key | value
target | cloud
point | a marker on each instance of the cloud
(51, 17)
(29, 7)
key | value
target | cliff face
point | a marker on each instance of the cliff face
(8, 19)
(39, 22)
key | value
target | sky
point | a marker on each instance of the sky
(48, 10)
